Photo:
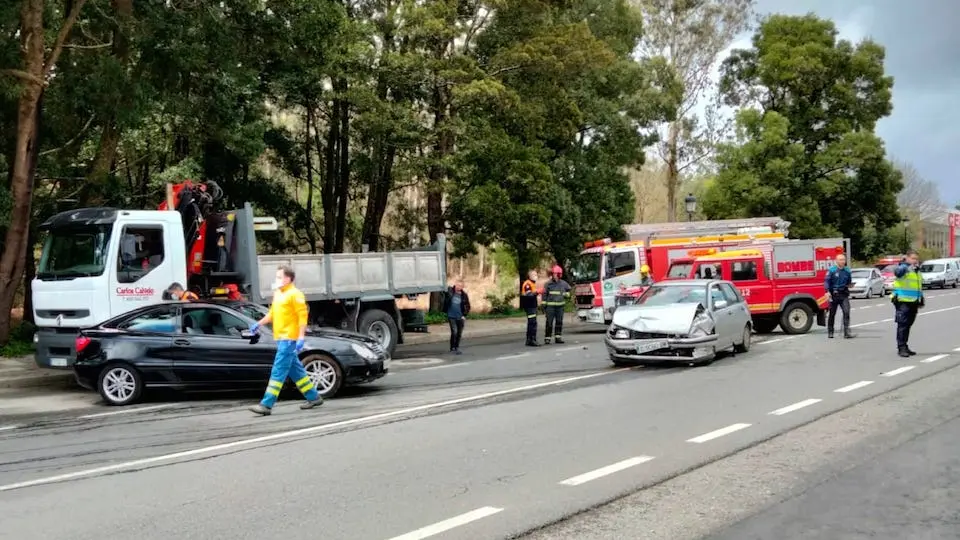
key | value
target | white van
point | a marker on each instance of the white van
(940, 273)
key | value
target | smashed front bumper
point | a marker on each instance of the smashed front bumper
(677, 349)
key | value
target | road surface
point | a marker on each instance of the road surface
(501, 442)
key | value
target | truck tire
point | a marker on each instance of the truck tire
(379, 325)
(797, 318)
(765, 326)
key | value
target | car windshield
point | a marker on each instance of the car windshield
(74, 252)
(586, 268)
(861, 274)
(662, 295)
(680, 270)
(931, 268)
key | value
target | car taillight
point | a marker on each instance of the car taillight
(81, 343)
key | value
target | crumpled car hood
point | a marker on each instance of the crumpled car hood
(672, 319)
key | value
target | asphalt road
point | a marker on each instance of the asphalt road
(492, 444)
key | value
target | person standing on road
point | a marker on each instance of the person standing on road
(837, 284)
(289, 315)
(528, 302)
(907, 299)
(456, 305)
(645, 279)
(555, 294)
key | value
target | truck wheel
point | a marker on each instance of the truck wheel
(380, 326)
(797, 318)
(765, 326)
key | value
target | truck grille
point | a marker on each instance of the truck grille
(584, 299)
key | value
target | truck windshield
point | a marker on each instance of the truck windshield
(586, 268)
(931, 268)
(75, 252)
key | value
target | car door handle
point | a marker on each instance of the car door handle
(181, 342)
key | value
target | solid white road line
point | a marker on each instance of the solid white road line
(605, 471)
(957, 349)
(447, 524)
(718, 433)
(446, 366)
(922, 313)
(128, 411)
(898, 371)
(140, 463)
(8, 428)
(854, 386)
(868, 323)
(796, 406)
(933, 359)
(511, 356)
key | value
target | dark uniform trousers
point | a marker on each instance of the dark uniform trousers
(531, 323)
(554, 322)
(905, 315)
(839, 299)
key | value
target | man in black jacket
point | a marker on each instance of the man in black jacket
(456, 305)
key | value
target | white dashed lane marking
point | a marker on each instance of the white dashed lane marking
(718, 433)
(447, 524)
(795, 407)
(933, 359)
(852, 387)
(898, 371)
(606, 471)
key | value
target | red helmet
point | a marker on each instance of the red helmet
(556, 270)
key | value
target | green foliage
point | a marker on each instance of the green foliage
(805, 147)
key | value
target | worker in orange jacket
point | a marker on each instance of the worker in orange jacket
(528, 302)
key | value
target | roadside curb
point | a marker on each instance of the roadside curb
(39, 380)
(424, 338)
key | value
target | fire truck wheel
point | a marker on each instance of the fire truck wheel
(797, 318)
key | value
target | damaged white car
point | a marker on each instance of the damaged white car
(686, 321)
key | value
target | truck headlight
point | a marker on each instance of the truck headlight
(363, 351)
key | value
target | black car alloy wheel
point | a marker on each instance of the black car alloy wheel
(120, 384)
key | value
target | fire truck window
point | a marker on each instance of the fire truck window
(744, 271)
(141, 250)
(709, 271)
(623, 262)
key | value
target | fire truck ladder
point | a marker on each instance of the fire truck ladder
(704, 228)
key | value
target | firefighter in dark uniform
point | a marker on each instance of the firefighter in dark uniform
(907, 299)
(528, 302)
(555, 294)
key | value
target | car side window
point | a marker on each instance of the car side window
(731, 293)
(212, 322)
(716, 295)
(162, 320)
(141, 250)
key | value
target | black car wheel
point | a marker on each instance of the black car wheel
(325, 373)
(797, 318)
(120, 384)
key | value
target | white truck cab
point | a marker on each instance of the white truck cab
(97, 263)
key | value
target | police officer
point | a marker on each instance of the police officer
(645, 279)
(528, 302)
(555, 294)
(837, 284)
(907, 299)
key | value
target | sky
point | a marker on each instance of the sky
(923, 55)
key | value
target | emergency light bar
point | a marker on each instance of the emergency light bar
(701, 252)
(597, 243)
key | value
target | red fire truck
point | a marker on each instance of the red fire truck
(606, 268)
(782, 282)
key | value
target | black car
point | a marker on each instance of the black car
(207, 345)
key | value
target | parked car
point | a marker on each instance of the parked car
(888, 278)
(208, 345)
(867, 283)
(940, 273)
(685, 321)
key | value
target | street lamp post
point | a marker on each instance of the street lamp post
(906, 240)
(691, 204)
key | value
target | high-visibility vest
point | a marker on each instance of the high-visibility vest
(529, 287)
(189, 296)
(908, 288)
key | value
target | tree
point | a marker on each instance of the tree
(690, 35)
(920, 197)
(34, 75)
(805, 146)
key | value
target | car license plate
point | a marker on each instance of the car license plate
(58, 362)
(651, 346)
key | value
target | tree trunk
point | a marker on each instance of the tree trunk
(15, 241)
(343, 186)
(330, 179)
(29, 272)
(307, 142)
(673, 181)
(482, 254)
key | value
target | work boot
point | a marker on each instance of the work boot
(311, 404)
(848, 335)
(559, 341)
(546, 341)
(531, 343)
(830, 334)
(261, 410)
(911, 352)
(904, 353)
